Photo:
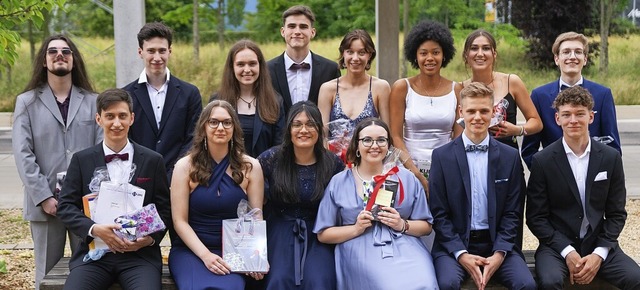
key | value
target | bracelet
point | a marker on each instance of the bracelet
(405, 228)
(522, 131)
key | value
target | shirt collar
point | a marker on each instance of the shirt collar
(466, 141)
(580, 81)
(143, 76)
(568, 150)
(288, 61)
(127, 149)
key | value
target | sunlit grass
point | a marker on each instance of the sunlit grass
(624, 66)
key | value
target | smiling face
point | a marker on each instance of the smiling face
(356, 58)
(56, 61)
(375, 153)
(115, 120)
(574, 120)
(219, 134)
(481, 54)
(571, 58)
(155, 52)
(476, 112)
(304, 132)
(297, 31)
(246, 67)
(429, 57)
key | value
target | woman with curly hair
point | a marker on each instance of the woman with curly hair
(480, 54)
(423, 107)
(206, 187)
(246, 85)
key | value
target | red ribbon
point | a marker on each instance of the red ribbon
(379, 180)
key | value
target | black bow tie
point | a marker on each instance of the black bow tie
(109, 157)
(471, 148)
(564, 87)
(299, 66)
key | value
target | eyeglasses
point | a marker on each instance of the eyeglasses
(214, 123)
(310, 126)
(567, 53)
(368, 141)
(53, 51)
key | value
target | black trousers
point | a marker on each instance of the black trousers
(128, 269)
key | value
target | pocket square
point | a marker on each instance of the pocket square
(502, 180)
(140, 180)
(601, 176)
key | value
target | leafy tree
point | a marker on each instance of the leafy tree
(542, 21)
(14, 13)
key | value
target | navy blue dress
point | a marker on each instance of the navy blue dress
(208, 206)
(297, 259)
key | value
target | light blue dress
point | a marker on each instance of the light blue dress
(380, 258)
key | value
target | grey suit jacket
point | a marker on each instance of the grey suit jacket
(43, 145)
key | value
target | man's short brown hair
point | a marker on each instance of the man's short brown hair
(476, 89)
(570, 36)
(299, 10)
(575, 96)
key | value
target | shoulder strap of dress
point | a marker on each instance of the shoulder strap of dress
(337, 84)
(370, 80)
(508, 77)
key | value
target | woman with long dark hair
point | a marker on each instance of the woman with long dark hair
(297, 173)
(246, 85)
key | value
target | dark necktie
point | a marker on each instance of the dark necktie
(110, 157)
(564, 87)
(299, 66)
(471, 148)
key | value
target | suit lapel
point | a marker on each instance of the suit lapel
(49, 101)
(173, 91)
(138, 160)
(595, 161)
(74, 104)
(461, 158)
(560, 158)
(283, 83)
(98, 156)
(142, 95)
(257, 128)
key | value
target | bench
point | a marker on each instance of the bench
(56, 278)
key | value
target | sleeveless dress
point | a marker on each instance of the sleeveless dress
(511, 114)
(380, 258)
(336, 113)
(297, 259)
(208, 206)
(428, 122)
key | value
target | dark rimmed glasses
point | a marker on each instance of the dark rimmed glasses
(368, 141)
(214, 123)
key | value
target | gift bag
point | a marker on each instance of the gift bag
(140, 223)
(244, 241)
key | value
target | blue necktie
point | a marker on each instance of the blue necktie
(471, 148)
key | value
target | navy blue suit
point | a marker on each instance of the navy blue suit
(450, 202)
(322, 71)
(182, 109)
(604, 123)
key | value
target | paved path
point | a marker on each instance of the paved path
(11, 193)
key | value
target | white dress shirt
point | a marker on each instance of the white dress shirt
(299, 80)
(156, 96)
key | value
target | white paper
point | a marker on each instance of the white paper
(245, 248)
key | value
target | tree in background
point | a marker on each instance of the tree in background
(15, 13)
(542, 21)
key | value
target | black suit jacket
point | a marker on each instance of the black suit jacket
(450, 197)
(554, 208)
(322, 71)
(150, 175)
(182, 109)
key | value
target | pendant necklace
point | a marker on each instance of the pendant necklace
(248, 103)
(424, 88)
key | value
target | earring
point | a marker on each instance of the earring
(231, 145)
(388, 153)
(368, 66)
(344, 65)
(358, 153)
(205, 144)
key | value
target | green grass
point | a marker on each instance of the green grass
(98, 53)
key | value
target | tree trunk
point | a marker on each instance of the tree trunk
(606, 12)
(32, 44)
(221, 25)
(196, 33)
(405, 31)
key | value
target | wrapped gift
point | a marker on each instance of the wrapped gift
(244, 241)
(140, 223)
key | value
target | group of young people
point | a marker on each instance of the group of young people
(459, 209)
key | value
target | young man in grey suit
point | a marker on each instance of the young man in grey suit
(298, 73)
(576, 203)
(166, 107)
(134, 264)
(53, 119)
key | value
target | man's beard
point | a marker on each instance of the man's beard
(59, 71)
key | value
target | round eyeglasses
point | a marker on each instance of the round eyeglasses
(368, 141)
(310, 126)
(214, 123)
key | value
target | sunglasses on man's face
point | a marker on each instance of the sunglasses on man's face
(54, 51)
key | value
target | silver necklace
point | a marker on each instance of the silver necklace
(424, 88)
